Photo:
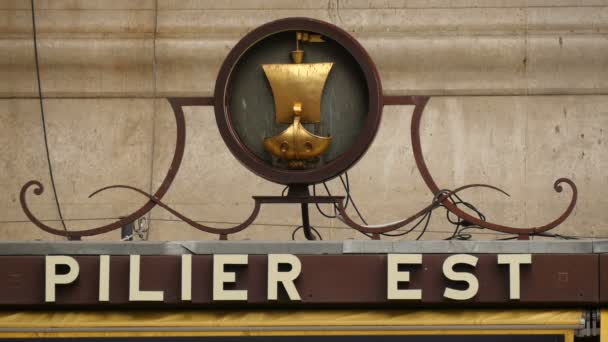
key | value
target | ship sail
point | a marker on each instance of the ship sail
(297, 91)
(292, 83)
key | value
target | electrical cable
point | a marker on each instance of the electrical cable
(483, 232)
(426, 224)
(314, 194)
(461, 224)
(348, 195)
(409, 230)
(349, 199)
(507, 238)
(293, 234)
(555, 235)
(46, 143)
(330, 227)
(347, 188)
(434, 205)
(426, 216)
(346, 203)
(458, 233)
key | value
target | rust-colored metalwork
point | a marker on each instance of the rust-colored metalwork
(180, 145)
(332, 168)
(298, 180)
(442, 197)
(375, 230)
(523, 233)
(224, 232)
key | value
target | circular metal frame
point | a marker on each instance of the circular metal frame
(332, 168)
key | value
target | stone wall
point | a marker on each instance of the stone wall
(520, 98)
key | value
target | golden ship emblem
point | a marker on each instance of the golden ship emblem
(297, 90)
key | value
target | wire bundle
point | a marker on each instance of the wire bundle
(462, 228)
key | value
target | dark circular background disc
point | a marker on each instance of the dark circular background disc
(351, 105)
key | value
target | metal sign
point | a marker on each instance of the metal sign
(287, 280)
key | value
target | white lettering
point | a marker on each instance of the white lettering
(135, 294)
(514, 261)
(286, 278)
(394, 277)
(220, 276)
(187, 277)
(104, 278)
(448, 272)
(52, 278)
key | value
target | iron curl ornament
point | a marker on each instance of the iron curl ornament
(352, 65)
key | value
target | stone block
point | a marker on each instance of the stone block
(95, 4)
(17, 65)
(95, 23)
(567, 64)
(99, 142)
(181, 21)
(92, 144)
(437, 65)
(22, 154)
(110, 67)
(566, 138)
(241, 4)
(189, 67)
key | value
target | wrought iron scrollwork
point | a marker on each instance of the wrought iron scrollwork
(442, 197)
(222, 232)
(420, 103)
(386, 228)
(178, 155)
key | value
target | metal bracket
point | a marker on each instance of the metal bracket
(591, 322)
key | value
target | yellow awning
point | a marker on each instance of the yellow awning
(604, 326)
(284, 318)
(285, 322)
